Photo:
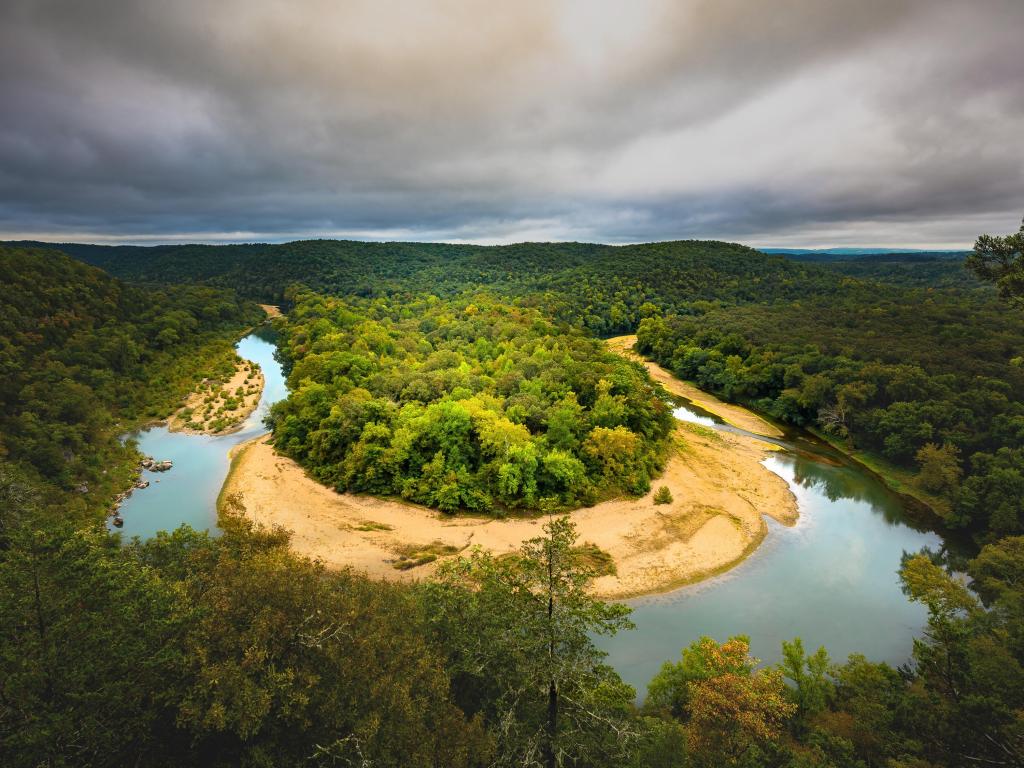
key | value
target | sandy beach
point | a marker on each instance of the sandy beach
(720, 493)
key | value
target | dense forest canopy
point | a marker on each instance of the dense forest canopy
(601, 288)
(469, 404)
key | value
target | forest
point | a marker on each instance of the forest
(469, 404)
(195, 649)
(929, 382)
(911, 361)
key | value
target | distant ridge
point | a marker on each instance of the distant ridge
(864, 254)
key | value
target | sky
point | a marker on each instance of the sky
(791, 123)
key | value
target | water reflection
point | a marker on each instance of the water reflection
(831, 579)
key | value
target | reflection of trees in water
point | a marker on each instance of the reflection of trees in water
(844, 482)
(266, 332)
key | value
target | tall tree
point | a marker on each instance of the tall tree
(519, 633)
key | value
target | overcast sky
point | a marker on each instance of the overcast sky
(769, 122)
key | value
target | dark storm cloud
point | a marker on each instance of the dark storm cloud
(791, 122)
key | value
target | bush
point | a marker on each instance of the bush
(663, 495)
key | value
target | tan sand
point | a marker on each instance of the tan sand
(720, 491)
(729, 413)
(272, 310)
(235, 417)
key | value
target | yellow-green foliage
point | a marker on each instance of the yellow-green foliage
(464, 404)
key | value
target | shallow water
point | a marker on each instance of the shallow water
(831, 578)
(187, 494)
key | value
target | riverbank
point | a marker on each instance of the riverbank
(720, 492)
(727, 412)
(220, 407)
(922, 506)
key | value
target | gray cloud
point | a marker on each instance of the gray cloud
(813, 122)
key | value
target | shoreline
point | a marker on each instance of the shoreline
(734, 415)
(247, 377)
(926, 510)
(244, 370)
(720, 489)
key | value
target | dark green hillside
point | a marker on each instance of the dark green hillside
(603, 288)
(83, 356)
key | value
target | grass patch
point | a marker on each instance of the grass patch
(414, 555)
(701, 431)
(372, 525)
(595, 558)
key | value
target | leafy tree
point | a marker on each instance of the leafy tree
(940, 468)
(811, 684)
(1000, 260)
(731, 710)
(519, 632)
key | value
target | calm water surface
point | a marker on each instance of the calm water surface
(831, 578)
(188, 492)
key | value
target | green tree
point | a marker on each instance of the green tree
(811, 684)
(731, 710)
(939, 468)
(1000, 260)
(519, 636)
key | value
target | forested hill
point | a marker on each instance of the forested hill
(83, 356)
(600, 287)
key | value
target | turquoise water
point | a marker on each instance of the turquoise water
(831, 578)
(188, 492)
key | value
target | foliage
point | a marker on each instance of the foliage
(922, 379)
(466, 404)
(731, 710)
(519, 636)
(1000, 260)
(663, 495)
(190, 650)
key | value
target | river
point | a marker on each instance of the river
(830, 579)
(187, 494)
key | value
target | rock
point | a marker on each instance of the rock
(117, 521)
(142, 484)
(161, 466)
(147, 463)
(83, 488)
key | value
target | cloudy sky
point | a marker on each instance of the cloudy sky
(770, 122)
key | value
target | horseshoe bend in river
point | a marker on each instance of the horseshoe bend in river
(829, 577)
